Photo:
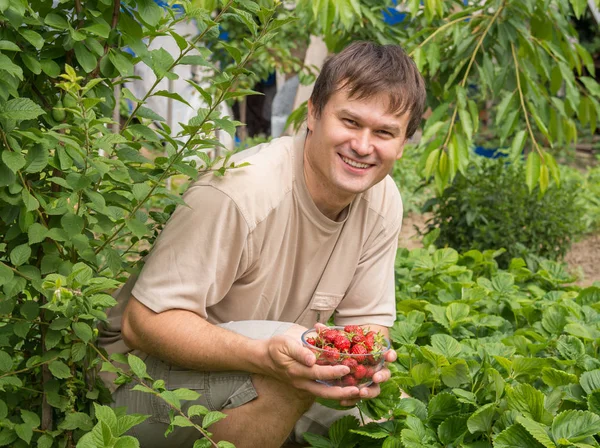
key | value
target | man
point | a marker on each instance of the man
(308, 230)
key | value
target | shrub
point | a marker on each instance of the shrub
(492, 208)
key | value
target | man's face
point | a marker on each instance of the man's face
(353, 145)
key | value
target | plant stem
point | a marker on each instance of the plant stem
(472, 59)
(438, 30)
(517, 73)
(28, 368)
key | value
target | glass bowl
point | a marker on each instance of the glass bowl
(362, 365)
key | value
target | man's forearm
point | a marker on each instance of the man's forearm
(183, 338)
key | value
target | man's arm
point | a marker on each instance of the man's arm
(183, 338)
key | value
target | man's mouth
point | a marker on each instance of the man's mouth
(355, 164)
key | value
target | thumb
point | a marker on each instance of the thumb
(297, 351)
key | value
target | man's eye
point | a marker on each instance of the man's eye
(350, 122)
(385, 133)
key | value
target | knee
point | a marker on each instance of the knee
(271, 389)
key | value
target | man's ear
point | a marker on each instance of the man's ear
(401, 151)
(310, 118)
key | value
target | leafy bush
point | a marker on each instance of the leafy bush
(490, 357)
(492, 208)
(414, 189)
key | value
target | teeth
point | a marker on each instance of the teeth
(354, 164)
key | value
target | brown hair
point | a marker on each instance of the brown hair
(367, 69)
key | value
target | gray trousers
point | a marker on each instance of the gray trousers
(218, 391)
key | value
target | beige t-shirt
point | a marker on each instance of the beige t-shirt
(252, 245)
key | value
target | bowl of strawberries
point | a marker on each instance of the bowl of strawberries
(362, 350)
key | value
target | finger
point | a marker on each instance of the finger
(324, 373)
(382, 376)
(391, 356)
(330, 392)
(370, 392)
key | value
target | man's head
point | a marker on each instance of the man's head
(367, 101)
(367, 69)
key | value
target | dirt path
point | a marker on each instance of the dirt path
(583, 258)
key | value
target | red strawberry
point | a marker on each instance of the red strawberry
(360, 372)
(355, 329)
(349, 380)
(330, 335)
(350, 362)
(311, 341)
(341, 342)
(359, 350)
(332, 353)
(358, 338)
(369, 340)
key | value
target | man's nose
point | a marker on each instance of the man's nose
(361, 143)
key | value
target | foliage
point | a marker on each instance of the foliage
(490, 357)
(491, 208)
(74, 196)
(415, 191)
(521, 57)
(588, 196)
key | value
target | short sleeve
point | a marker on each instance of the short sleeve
(200, 253)
(370, 298)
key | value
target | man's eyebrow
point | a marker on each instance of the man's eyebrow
(386, 127)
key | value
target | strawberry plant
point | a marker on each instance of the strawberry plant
(490, 358)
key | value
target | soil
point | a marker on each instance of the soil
(583, 259)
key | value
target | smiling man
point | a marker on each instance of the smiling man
(306, 232)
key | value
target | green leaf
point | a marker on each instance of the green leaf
(59, 369)
(339, 431)
(516, 436)
(162, 61)
(481, 420)
(212, 417)
(575, 426)
(76, 420)
(591, 85)
(105, 414)
(6, 362)
(590, 381)
(6, 274)
(125, 422)
(20, 254)
(73, 224)
(556, 378)
(13, 160)
(137, 366)
(144, 112)
(83, 331)
(11, 68)
(127, 442)
(101, 29)
(182, 422)
(31, 63)
(186, 394)
(234, 52)
(20, 109)
(172, 95)
(33, 38)
(137, 227)
(441, 407)
(316, 440)
(452, 429)
(538, 431)
(527, 400)
(197, 409)
(25, 432)
(85, 57)
(36, 233)
(149, 11)
(532, 173)
(446, 345)
(8, 45)
(30, 418)
(45, 441)
(579, 7)
(56, 21)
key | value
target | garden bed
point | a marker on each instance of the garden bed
(584, 256)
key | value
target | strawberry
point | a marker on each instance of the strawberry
(360, 372)
(330, 335)
(359, 350)
(341, 343)
(358, 339)
(311, 341)
(349, 380)
(350, 362)
(354, 329)
(332, 353)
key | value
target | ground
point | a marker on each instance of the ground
(583, 258)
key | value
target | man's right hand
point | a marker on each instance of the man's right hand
(289, 361)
